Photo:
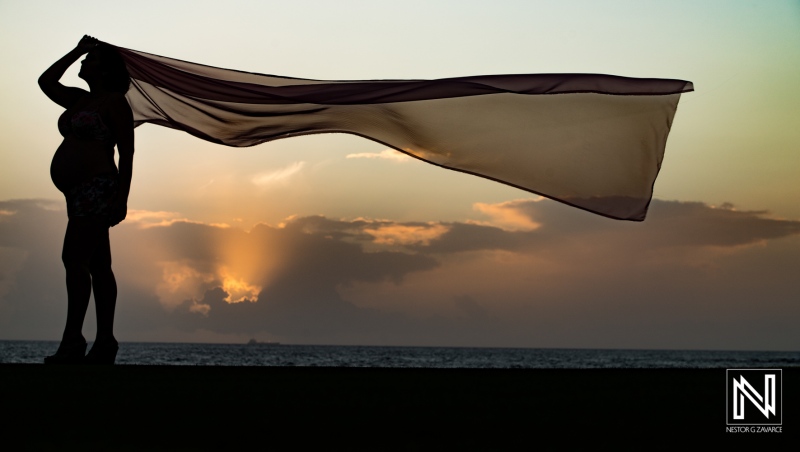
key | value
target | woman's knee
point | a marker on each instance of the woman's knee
(100, 266)
(73, 260)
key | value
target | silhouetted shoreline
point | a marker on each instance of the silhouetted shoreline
(192, 407)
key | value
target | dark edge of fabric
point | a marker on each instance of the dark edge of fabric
(687, 88)
(391, 91)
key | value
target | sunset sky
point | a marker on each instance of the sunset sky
(334, 239)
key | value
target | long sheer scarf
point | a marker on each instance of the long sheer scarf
(592, 141)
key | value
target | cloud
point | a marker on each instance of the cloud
(180, 280)
(281, 175)
(386, 154)
(670, 225)
(405, 234)
(237, 289)
(150, 218)
(508, 215)
(691, 276)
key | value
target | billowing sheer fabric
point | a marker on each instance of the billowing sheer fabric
(592, 141)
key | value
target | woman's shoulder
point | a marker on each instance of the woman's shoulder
(73, 97)
(111, 104)
(116, 100)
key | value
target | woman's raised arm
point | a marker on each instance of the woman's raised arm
(49, 80)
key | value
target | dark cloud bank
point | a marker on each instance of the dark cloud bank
(690, 276)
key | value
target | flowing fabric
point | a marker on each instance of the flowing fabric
(592, 141)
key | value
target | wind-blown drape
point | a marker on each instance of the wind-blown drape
(591, 141)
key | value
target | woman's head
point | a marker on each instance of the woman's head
(104, 65)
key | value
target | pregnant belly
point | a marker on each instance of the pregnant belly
(76, 161)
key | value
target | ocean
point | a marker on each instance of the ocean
(284, 355)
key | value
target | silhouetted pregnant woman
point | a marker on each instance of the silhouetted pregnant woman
(83, 169)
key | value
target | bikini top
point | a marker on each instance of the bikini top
(85, 123)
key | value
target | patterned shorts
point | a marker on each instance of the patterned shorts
(93, 197)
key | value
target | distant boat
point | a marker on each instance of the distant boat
(255, 342)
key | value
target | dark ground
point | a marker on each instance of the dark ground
(262, 408)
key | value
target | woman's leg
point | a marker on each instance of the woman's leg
(83, 238)
(105, 288)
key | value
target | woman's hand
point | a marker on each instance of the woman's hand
(118, 211)
(87, 43)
